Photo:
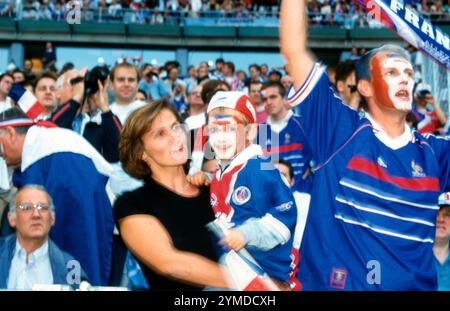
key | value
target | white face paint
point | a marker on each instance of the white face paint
(394, 84)
(224, 136)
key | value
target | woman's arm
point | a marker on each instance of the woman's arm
(293, 40)
(149, 241)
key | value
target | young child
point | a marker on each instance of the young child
(247, 192)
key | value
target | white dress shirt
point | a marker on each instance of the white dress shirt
(23, 275)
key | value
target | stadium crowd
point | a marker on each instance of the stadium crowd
(117, 170)
(320, 12)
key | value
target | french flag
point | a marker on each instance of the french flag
(244, 272)
(26, 101)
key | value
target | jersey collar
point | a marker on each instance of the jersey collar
(245, 155)
(393, 143)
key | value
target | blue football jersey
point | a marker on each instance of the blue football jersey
(371, 222)
(288, 144)
(251, 187)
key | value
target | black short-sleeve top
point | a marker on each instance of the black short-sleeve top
(184, 218)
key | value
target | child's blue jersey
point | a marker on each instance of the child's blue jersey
(371, 222)
(251, 187)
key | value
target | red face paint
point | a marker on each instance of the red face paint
(381, 88)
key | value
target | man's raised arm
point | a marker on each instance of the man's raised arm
(293, 38)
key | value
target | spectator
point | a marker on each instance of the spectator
(44, 13)
(229, 75)
(66, 91)
(283, 136)
(354, 56)
(253, 215)
(115, 9)
(124, 83)
(151, 84)
(179, 256)
(6, 82)
(8, 11)
(10, 68)
(141, 95)
(45, 92)
(173, 79)
(346, 84)
(287, 81)
(241, 80)
(255, 94)
(326, 11)
(19, 76)
(442, 242)
(58, 13)
(429, 115)
(28, 70)
(196, 116)
(364, 207)
(179, 97)
(264, 72)
(192, 80)
(29, 257)
(274, 76)
(218, 70)
(255, 74)
(75, 175)
(203, 72)
(93, 119)
(49, 57)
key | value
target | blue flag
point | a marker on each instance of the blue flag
(411, 26)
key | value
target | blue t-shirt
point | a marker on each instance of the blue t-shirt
(443, 274)
(371, 222)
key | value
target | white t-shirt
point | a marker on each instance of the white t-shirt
(123, 111)
(5, 104)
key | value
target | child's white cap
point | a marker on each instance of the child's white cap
(238, 101)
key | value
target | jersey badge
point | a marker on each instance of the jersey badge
(417, 170)
(241, 195)
(338, 278)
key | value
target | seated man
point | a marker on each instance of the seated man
(75, 175)
(29, 257)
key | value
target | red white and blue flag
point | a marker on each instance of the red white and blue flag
(26, 101)
(244, 272)
(411, 26)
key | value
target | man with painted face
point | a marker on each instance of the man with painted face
(248, 195)
(371, 222)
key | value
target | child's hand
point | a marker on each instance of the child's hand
(234, 240)
(199, 179)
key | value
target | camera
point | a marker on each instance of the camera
(90, 79)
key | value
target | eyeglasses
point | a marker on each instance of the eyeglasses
(29, 207)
